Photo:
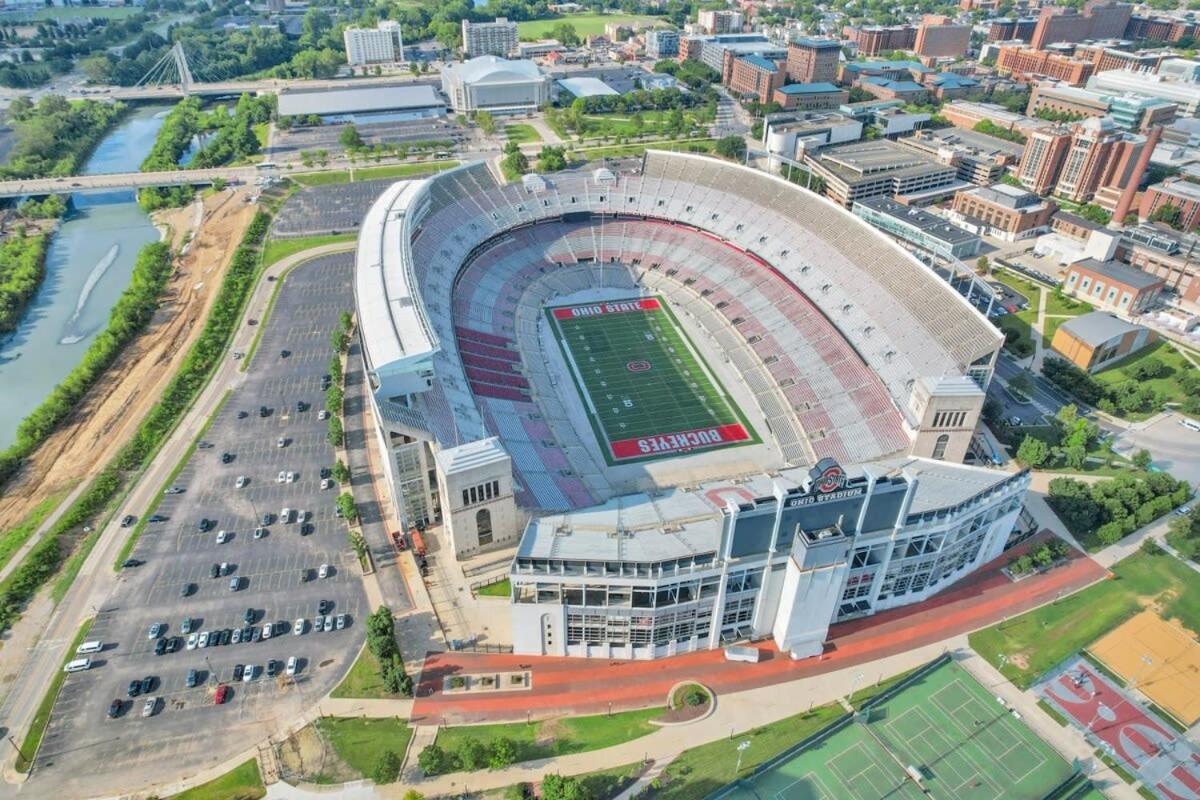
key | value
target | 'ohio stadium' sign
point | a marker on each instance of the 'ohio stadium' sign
(827, 482)
(679, 441)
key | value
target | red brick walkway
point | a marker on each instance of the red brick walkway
(584, 686)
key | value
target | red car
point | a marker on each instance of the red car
(221, 695)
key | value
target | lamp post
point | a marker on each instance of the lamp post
(853, 686)
(741, 748)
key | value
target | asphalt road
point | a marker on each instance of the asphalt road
(1176, 449)
(84, 752)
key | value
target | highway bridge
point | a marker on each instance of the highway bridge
(232, 88)
(128, 180)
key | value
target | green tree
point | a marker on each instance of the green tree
(433, 760)
(565, 33)
(340, 341)
(350, 138)
(337, 434)
(557, 787)
(731, 147)
(1022, 383)
(346, 505)
(504, 753)
(472, 754)
(1033, 452)
(387, 768)
(552, 159)
(981, 265)
(1142, 459)
(340, 473)
(1168, 214)
(486, 122)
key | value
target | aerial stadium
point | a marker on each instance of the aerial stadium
(703, 403)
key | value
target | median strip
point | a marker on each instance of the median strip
(32, 742)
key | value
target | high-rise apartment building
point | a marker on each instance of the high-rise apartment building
(380, 45)
(497, 38)
(714, 22)
(1026, 64)
(1043, 158)
(662, 44)
(1101, 19)
(813, 60)
(937, 37)
(875, 39)
(1099, 163)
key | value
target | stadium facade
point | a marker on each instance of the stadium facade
(844, 381)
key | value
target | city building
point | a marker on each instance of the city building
(720, 21)
(498, 38)
(861, 170)
(918, 228)
(719, 52)
(1097, 340)
(586, 86)
(966, 115)
(1181, 194)
(1002, 211)
(813, 60)
(1099, 20)
(380, 45)
(947, 86)
(853, 71)
(888, 89)
(1112, 286)
(810, 96)
(538, 49)
(1026, 64)
(1173, 256)
(1010, 30)
(791, 134)
(1128, 111)
(365, 105)
(490, 83)
(662, 43)
(875, 39)
(756, 77)
(1180, 69)
(938, 37)
(1159, 29)
(1106, 58)
(1043, 158)
(1099, 163)
(979, 158)
(1184, 94)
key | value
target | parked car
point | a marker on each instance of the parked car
(214, 571)
(156, 630)
(222, 537)
(174, 490)
(340, 621)
(131, 562)
(187, 589)
(203, 640)
(147, 684)
(282, 476)
(114, 708)
(193, 678)
(249, 673)
(323, 607)
(220, 695)
(204, 524)
(323, 571)
(186, 627)
(157, 518)
(241, 481)
(160, 647)
(260, 532)
(226, 458)
(298, 627)
(135, 688)
(272, 668)
(235, 584)
(236, 636)
(267, 629)
(150, 706)
(238, 669)
(291, 666)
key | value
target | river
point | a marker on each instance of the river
(88, 264)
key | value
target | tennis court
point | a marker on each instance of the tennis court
(944, 727)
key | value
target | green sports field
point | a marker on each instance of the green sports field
(648, 393)
(965, 745)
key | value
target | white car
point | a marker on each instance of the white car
(203, 639)
(282, 476)
(280, 442)
(328, 622)
(260, 532)
(285, 516)
(298, 628)
(191, 642)
(323, 414)
(149, 706)
(291, 666)
(326, 483)
(323, 572)
(291, 476)
(248, 673)
(222, 537)
(340, 622)
(241, 482)
(266, 630)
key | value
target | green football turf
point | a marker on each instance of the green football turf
(966, 745)
(647, 391)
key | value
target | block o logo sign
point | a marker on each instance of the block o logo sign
(827, 476)
(638, 366)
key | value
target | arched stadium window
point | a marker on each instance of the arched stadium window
(939, 447)
(483, 526)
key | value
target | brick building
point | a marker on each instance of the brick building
(1043, 158)
(1026, 64)
(810, 96)
(1002, 211)
(1168, 254)
(938, 37)
(1008, 29)
(875, 39)
(813, 60)
(1183, 195)
(1112, 286)
(755, 76)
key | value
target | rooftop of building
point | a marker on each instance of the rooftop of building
(818, 44)
(471, 456)
(990, 111)
(1180, 188)
(929, 224)
(885, 66)
(1119, 273)
(895, 86)
(1001, 194)
(758, 62)
(971, 141)
(861, 159)
(586, 87)
(952, 80)
(365, 100)
(809, 88)
(1097, 327)
(494, 69)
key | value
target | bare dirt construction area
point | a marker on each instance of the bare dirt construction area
(116, 405)
(305, 757)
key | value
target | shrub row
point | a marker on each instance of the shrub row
(1115, 508)
(22, 268)
(129, 316)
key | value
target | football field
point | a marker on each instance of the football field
(648, 393)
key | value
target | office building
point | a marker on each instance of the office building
(1043, 158)
(490, 83)
(868, 169)
(1180, 69)
(1173, 256)
(1112, 286)
(497, 38)
(791, 134)
(1098, 340)
(662, 44)
(1007, 29)
(1099, 20)
(853, 71)
(980, 159)
(810, 96)
(1180, 194)
(813, 60)
(1129, 112)
(756, 77)
(888, 89)
(1026, 64)
(919, 229)
(938, 37)
(721, 21)
(1160, 29)
(380, 45)
(1002, 211)
(1184, 94)
(1106, 58)
(875, 39)
(1099, 163)
(966, 115)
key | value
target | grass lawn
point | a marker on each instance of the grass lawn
(279, 249)
(1050, 327)
(607, 126)
(1059, 304)
(331, 177)
(1024, 328)
(363, 679)
(498, 589)
(585, 24)
(557, 737)
(701, 770)
(1036, 641)
(241, 783)
(1176, 365)
(41, 719)
(360, 741)
(12, 539)
(629, 150)
(74, 13)
(522, 133)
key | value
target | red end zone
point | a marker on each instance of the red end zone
(599, 309)
(679, 441)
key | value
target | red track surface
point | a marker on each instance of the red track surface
(588, 686)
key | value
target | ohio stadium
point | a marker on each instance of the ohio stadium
(704, 404)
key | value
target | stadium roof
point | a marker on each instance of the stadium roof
(808, 88)
(358, 101)
(587, 87)
(493, 69)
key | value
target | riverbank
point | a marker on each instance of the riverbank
(76, 129)
(113, 408)
(22, 270)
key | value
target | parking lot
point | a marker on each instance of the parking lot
(85, 752)
(337, 208)
(290, 143)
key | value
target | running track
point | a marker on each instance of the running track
(576, 686)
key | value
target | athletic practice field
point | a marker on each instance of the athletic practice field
(648, 393)
(944, 728)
